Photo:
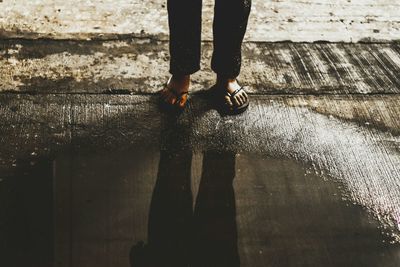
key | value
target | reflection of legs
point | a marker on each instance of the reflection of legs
(229, 27)
(184, 18)
(171, 211)
(215, 242)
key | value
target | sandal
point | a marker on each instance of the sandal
(175, 106)
(219, 99)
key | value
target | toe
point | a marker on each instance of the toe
(172, 100)
(243, 97)
(237, 100)
(228, 101)
(183, 100)
(246, 96)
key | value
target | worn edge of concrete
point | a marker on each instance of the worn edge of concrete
(20, 35)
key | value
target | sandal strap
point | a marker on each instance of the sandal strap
(236, 91)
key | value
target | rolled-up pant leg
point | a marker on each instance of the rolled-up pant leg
(184, 19)
(229, 28)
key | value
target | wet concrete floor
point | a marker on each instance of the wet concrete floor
(92, 173)
(177, 207)
(194, 190)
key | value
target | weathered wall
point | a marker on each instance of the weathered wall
(271, 20)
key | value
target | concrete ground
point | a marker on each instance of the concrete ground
(283, 20)
(93, 173)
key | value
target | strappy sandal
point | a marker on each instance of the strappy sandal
(219, 99)
(175, 106)
(236, 109)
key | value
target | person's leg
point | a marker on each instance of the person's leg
(184, 20)
(229, 28)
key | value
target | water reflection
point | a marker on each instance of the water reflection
(215, 213)
(88, 208)
(179, 235)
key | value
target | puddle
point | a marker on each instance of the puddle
(182, 208)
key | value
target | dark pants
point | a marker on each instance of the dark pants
(229, 27)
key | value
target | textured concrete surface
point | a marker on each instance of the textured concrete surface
(317, 177)
(317, 155)
(353, 140)
(342, 20)
(141, 66)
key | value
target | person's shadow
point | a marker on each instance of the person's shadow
(179, 236)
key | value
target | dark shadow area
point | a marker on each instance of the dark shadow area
(26, 216)
(178, 235)
(215, 228)
(87, 209)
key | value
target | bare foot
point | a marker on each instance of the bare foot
(176, 90)
(231, 85)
